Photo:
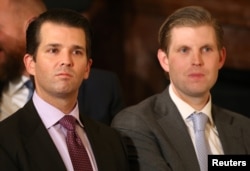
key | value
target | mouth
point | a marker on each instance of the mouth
(64, 75)
(196, 76)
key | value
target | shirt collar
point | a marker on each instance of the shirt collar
(51, 115)
(186, 110)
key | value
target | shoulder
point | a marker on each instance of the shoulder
(153, 105)
(10, 130)
(142, 114)
(97, 128)
(223, 115)
(101, 79)
(21, 121)
(99, 74)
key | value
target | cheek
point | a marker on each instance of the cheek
(82, 68)
(42, 68)
(85, 70)
(177, 65)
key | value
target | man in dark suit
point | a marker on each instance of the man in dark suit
(37, 137)
(99, 102)
(160, 132)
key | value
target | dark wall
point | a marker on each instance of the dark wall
(125, 42)
(142, 21)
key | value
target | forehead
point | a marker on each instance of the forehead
(8, 8)
(9, 14)
(5, 5)
(181, 33)
(53, 32)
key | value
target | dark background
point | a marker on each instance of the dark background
(125, 42)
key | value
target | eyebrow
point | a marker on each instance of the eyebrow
(79, 47)
(59, 45)
(53, 45)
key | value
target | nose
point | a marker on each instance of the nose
(66, 60)
(197, 59)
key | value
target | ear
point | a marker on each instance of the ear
(163, 60)
(222, 57)
(87, 70)
(29, 64)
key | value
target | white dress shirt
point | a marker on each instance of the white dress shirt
(211, 132)
(14, 96)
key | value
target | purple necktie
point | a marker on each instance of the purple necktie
(77, 151)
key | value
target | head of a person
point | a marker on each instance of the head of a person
(15, 16)
(191, 51)
(191, 16)
(60, 16)
(58, 52)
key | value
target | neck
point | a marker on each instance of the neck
(196, 102)
(62, 102)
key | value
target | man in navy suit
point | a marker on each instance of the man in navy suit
(58, 60)
(103, 102)
(99, 102)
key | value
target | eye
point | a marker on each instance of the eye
(77, 52)
(206, 49)
(53, 50)
(183, 49)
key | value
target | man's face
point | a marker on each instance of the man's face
(12, 42)
(194, 60)
(61, 61)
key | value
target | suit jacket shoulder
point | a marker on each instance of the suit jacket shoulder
(156, 135)
(27, 145)
(100, 96)
(233, 129)
(107, 145)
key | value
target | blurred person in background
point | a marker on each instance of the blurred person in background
(15, 16)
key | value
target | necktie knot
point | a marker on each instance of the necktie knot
(199, 121)
(29, 84)
(68, 122)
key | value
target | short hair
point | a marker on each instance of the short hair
(188, 16)
(61, 16)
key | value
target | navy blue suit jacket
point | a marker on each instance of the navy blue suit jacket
(100, 97)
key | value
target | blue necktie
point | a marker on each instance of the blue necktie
(199, 121)
(30, 87)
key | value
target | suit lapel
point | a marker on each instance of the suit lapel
(176, 133)
(40, 148)
(103, 150)
(95, 138)
(229, 133)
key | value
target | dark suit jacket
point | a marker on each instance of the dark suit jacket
(26, 145)
(100, 97)
(157, 137)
